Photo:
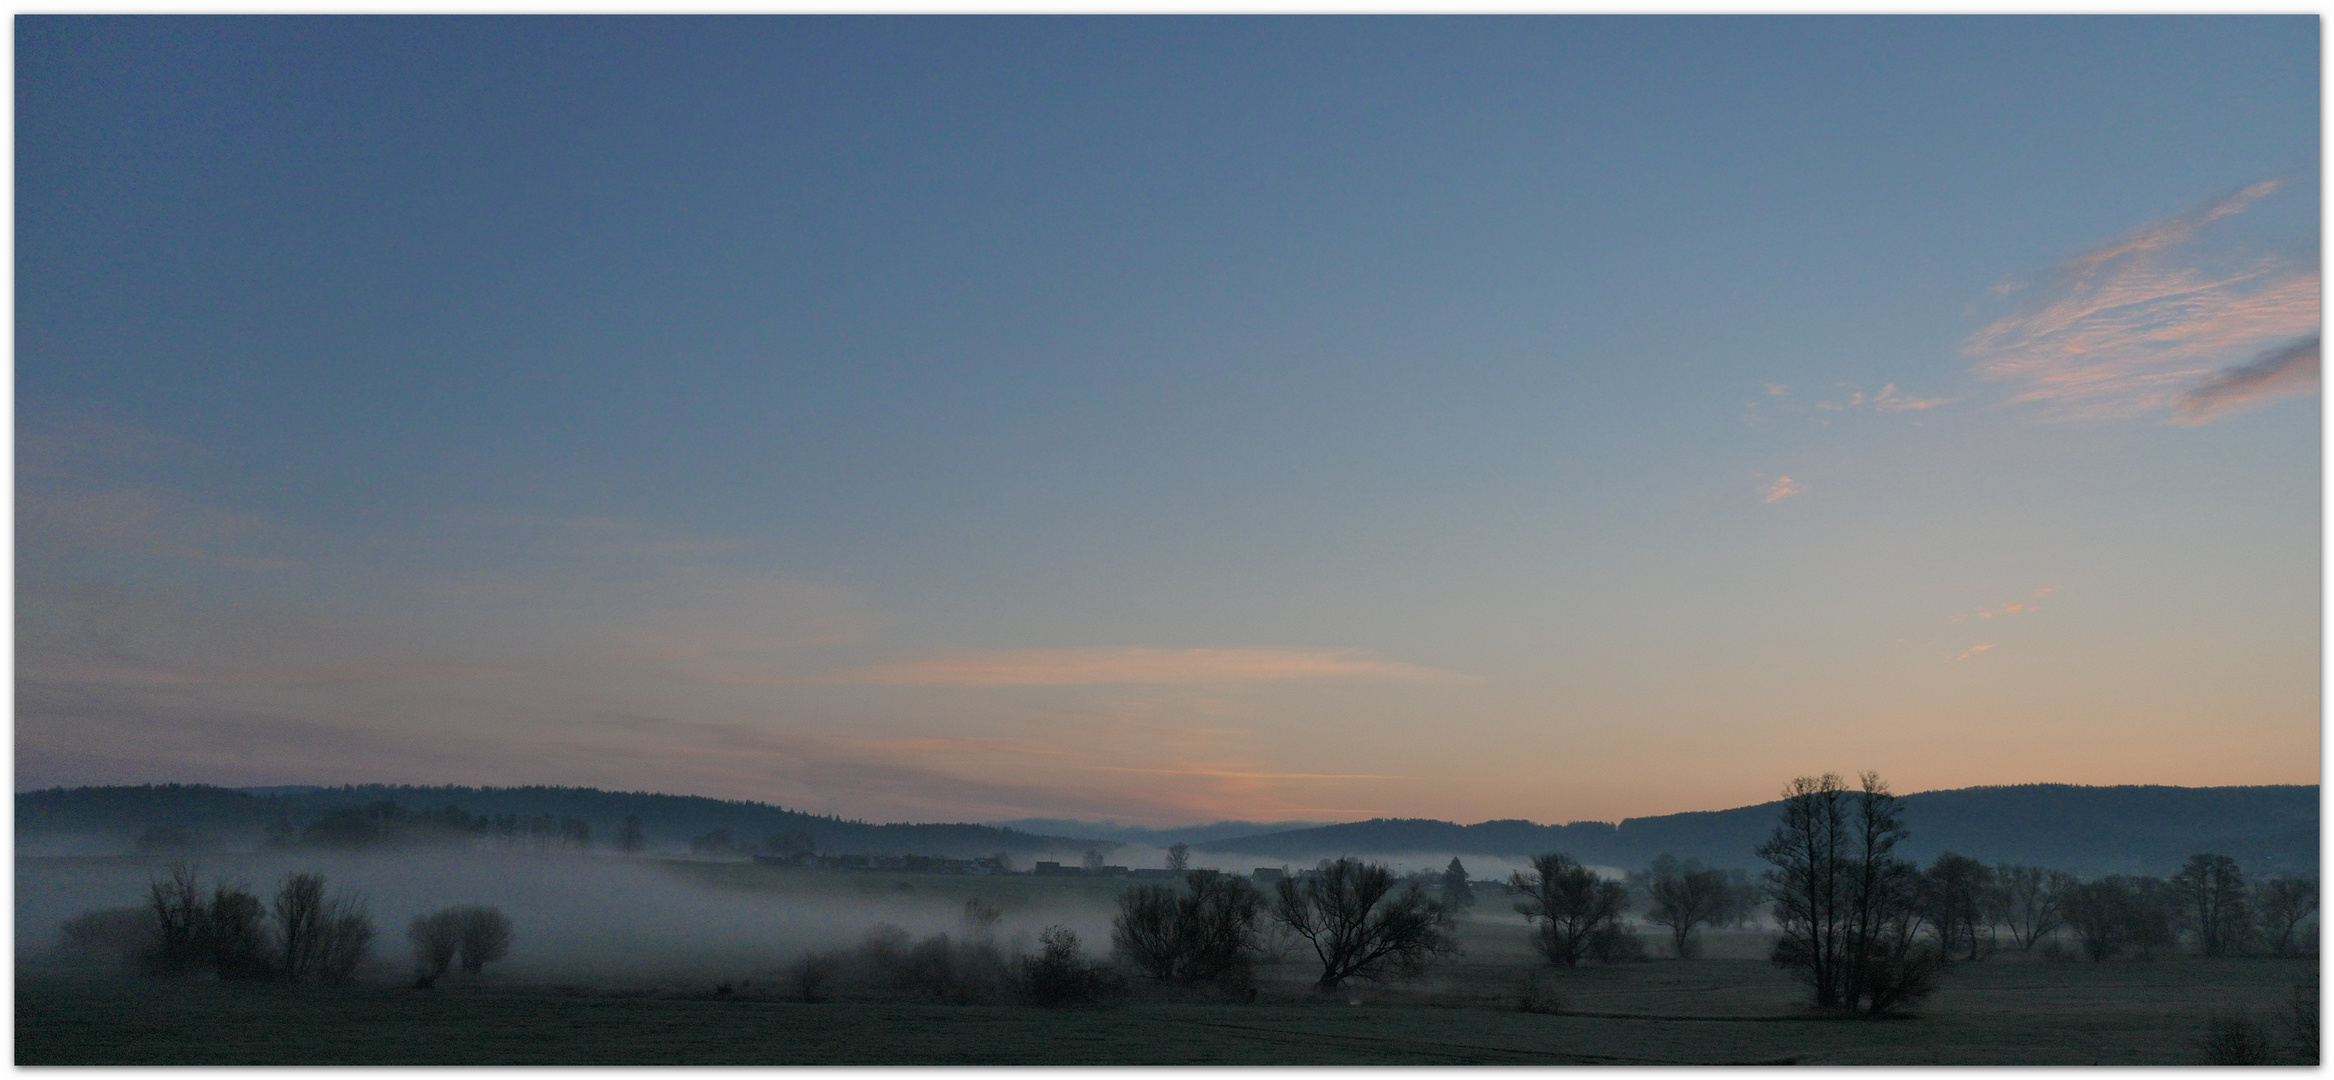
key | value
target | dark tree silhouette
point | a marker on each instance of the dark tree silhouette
(1179, 857)
(630, 839)
(1457, 894)
(321, 938)
(1568, 905)
(2282, 905)
(485, 936)
(436, 939)
(1848, 907)
(1953, 894)
(1684, 898)
(1205, 934)
(2211, 895)
(1359, 926)
(2028, 900)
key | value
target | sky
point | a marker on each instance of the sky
(1168, 420)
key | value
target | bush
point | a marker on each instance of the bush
(1614, 943)
(1535, 994)
(1205, 935)
(1059, 975)
(2301, 1020)
(811, 973)
(485, 935)
(114, 938)
(436, 938)
(320, 938)
(2234, 1039)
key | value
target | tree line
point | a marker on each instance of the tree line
(303, 935)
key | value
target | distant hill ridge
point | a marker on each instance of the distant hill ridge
(2088, 830)
(114, 817)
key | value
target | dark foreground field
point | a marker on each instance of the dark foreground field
(2001, 1011)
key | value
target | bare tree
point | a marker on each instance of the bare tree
(1359, 926)
(978, 921)
(1205, 934)
(485, 936)
(2211, 894)
(1681, 899)
(812, 971)
(436, 938)
(1848, 906)
(322, 938)
(235, 933)
(629, 838)
(2028, 900)
(1569, 906)
(2283, 904)
(1953, 895)
(179, 917)
(1179, 857)
(1091, 861)
(1059, 974)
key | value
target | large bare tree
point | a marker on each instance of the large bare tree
(1568, 904)
(1359, 925)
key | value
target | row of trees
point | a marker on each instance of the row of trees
(305, 934)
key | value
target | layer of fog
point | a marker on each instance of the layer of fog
(598, 921)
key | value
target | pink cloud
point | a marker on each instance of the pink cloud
(1783, 488)
(1135, 664)
(2128, 328)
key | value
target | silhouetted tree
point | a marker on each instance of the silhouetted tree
(1359, 926)
(1568, 905)
(1091, 861)
(1953, 894)
(2028, 899)
(485, 936)
(1457, 894)
(2283, 904)
(978, 921)
(1179, 857)
(1204, 934)
(119, 938)
(2211, 895)
(322, 938)
(790, 842)
(436, 938)
(235, 933)
(1848, 907)
(179, 916)
(1683, 898)
(1059, 974)
(575, 833)
(629, 838)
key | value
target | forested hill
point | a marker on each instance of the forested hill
(100, 819)
(2085, 830)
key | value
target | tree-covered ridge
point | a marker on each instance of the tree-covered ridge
(118, 817)
(2118, 829)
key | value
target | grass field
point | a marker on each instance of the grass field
(1732, 1006)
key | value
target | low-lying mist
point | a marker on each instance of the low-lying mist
(598, 921)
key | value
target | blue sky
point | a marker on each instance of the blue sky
(1168, 419)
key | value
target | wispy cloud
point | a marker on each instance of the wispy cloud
(2033, 602)
(1783, 488)
(2131, 327)
(1136, 664)
(1240, 774)
(2288, 369)
(1889, 399)
(1972, 651)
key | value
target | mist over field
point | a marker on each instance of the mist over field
(600, 921)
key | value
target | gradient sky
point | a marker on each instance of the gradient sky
(1168, 419)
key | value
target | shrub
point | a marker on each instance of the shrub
(1535, 994)
(436, 938)
(485, 936)
(2301, 1020)
(115, 938)
(1059, 975)
(320, 938)
(2234, 1039)
(1615, 943)
(811, 973)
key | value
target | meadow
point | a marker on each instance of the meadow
(737, 1008)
